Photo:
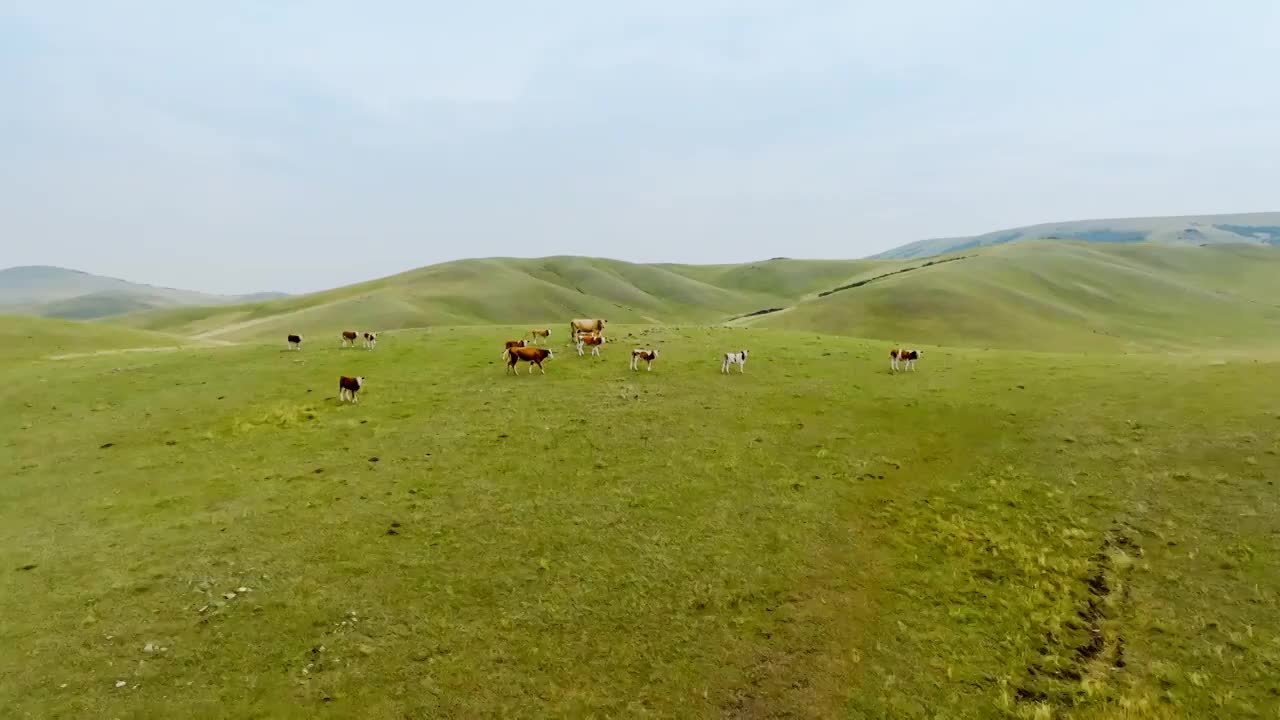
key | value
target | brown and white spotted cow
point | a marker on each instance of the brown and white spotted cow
(903, 359)
(577, 327)
(531, 355)
(370, 340)
(592, 341)
(349, 338)
(348, 387)
(295, 342)
(648, 356)
(538, 333)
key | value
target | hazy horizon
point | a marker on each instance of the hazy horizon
(242, 148)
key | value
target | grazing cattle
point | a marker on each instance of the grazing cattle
(903, 359)
(295, 342)
(370, 340)
(592, 341)
(738, 358)
(595, 327)
(538, 333)
(531, 355)
(348, 387)
(349, 338)
(648, 356)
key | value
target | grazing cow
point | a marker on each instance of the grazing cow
(538, 333)
(648, 356)
(738, 358)
(531, 355)
(595, 327)
(349, 338)
(593, 341)
(370, 340)
(904, 359)
(348, 387)
(295, 342)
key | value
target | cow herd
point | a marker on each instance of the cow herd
(583, 334)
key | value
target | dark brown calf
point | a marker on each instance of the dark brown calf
(348, 387)
(349, 338)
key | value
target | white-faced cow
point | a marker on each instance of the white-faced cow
(903, 359)
(348, 387)
(592, 341)
(738, 358)
(349, 338)
(295, 342)
(648, 356)
(531, 355)
(370, 340)
(538, 333)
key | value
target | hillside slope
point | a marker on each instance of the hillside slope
(31, 338)
(503, 290)
(59, 292)
(1066, 297)
(1249, 228)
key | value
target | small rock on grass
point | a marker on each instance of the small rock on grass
(121, 683)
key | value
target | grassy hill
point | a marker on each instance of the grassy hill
(500, 290)
(1055, 295)
(1250, 228)
(74, 295)
(999, 535)
(1067, 297)
(24, 338)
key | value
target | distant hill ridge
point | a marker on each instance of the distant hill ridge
(1248, 228)
(50, 291)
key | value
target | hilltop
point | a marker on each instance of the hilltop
(1069, 296)
(75, 295)
(1249, 228)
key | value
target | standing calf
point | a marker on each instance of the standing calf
(348, 387)
(531, 355)
(349, 338)
(371, 340)
(594, 341)
(734, 358)
(904, 359)
(648, 356)
(295, 342)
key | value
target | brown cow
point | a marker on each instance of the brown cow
(906, 359)
(538, 333)
(511, 344)
(594, 341)
(349, 338)
(648, 356)
(531, 355)
(595, 327)
(348, 387)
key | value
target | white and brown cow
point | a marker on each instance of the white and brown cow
(738, 358)
(592, 341)
(295, 342)
(538, 333)
(903, 359)
(648, 356)
(577, 327)
(349, 338)
(348, 387)
(370, 340)
(531, 355)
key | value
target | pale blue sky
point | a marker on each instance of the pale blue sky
(240, 146)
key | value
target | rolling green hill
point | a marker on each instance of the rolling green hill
(1251, 228)
(1068, 296)
(74, 295)
(501, 290)
(32, 338)
(1064, 297)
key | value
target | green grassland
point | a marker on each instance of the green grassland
(24, 338)
(995, 535)
(1069, 297)
(1052, 296)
